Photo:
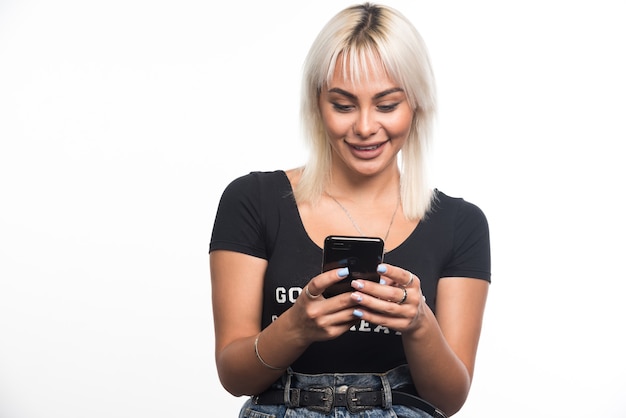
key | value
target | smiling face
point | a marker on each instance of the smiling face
(367, 121)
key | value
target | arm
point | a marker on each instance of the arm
(237, 289)
(441, 351)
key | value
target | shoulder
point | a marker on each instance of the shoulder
(257, 178)
(257, 191)
(258, 183)
(456, 215)
(455, 207)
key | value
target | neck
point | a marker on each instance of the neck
(365, 190)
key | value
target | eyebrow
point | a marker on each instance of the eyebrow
(376, 96)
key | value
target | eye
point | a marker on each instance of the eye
(387, 108)
(341, 107)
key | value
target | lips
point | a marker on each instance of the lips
(366, 151)
(367, 147)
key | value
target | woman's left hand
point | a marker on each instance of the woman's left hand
(396, 302)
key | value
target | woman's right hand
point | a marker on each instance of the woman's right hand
(321, 318)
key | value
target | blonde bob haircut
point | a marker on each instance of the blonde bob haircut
(355, 38)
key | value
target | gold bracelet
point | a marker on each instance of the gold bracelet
(256, 350)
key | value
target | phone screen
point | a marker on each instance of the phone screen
(361, 255)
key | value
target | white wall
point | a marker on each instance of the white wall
(122, 121)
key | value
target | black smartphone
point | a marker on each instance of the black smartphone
(361, 255)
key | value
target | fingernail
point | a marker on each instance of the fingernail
(382, 281)
(381, 268)
(343, 272)
(357, 297)
(357, 284)
(357, 313)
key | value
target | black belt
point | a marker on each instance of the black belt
(355, 399)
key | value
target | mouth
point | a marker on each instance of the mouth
(366, 147)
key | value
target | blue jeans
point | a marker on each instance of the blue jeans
(385, 382)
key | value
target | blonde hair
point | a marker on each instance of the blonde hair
(365, 34)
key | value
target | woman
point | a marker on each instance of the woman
(393, 348)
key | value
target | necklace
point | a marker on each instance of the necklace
(356, 226)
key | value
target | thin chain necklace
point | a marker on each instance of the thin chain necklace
(356, 226)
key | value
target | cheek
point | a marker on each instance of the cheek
(400, 125)
(336, 125)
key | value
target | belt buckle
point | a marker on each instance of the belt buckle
(326, 396)
(352, 399)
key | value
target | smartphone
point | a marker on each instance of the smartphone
(361, 255)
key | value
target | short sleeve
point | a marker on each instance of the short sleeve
(238, 220)
(471, 255)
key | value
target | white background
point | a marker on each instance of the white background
(122, 121)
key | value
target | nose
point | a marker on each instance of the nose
(365, 124)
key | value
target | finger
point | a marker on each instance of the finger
(396, 276)
(377, 290)
(332, 324)
(411, 279)
(395, 323)
(389, 313)
(404, 296)
(378, 296)
(335, 282)
(319, 283)
(307, 291)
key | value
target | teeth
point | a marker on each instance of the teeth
(373, 147)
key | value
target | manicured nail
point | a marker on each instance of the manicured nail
(357, 284)
(382, 281)
(357, 313)
(381, 268)
(343, 272)
(357, 297)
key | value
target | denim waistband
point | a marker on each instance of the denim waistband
(339, 382)
(315, 395)
(396, 377)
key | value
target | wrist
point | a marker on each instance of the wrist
(260, 358)
(423, 325)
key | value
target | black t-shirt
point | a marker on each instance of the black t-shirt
(258, 216)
